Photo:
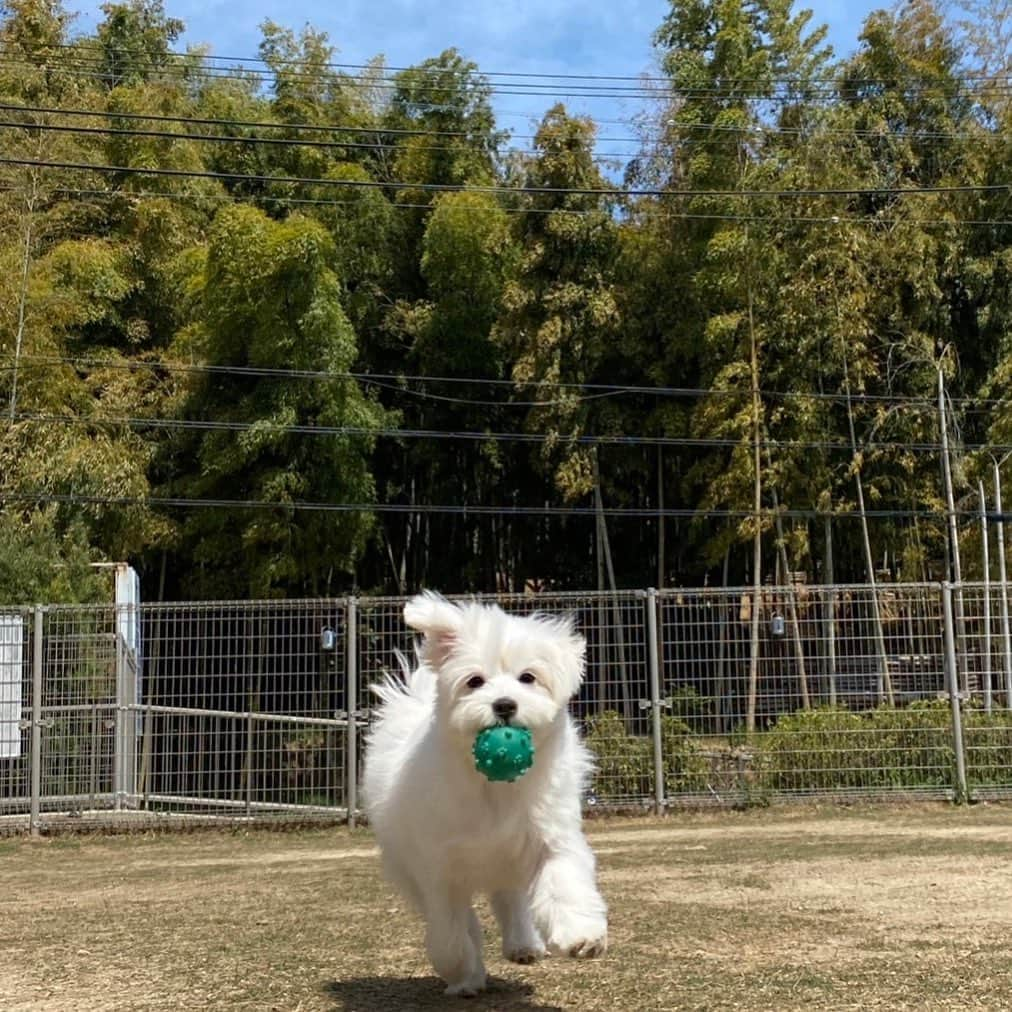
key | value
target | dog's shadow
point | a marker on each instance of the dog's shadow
(387, 994)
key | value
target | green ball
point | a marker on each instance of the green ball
(503, 753)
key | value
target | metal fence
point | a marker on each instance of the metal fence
(253, 711)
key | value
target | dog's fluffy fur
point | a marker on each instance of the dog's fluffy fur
(446, 832)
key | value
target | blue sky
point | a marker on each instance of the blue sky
(536, 36)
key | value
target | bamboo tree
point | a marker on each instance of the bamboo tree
(31, 198)
(885, 681)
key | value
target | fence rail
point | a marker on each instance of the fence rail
(252, 711)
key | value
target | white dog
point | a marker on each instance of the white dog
(445, 831)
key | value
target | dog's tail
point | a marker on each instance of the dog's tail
(415, 685)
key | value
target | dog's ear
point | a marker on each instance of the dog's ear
(572, 657)
(575, 664)
(439, 623)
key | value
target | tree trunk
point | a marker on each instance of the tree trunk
(26, 260)
(792, 604)
(885, 687)
(753, 662)
(623, 673)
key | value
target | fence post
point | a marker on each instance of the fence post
(119, 743)
(36, 759)
(250, 730)
(351, 707)
(958, 746)
(654, 670)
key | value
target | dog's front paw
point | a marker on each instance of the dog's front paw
(589, 948)
(524, 954)
(579, 937)
(468, 988)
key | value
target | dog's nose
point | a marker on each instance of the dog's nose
(504, 708)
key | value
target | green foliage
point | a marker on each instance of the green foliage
(559, 314)
(446, 94)
(269, 300)
(836, 749)
(988, 740)
(135, 38)
(887, 748)
(40, 564)
(625, 762)
(854, 285)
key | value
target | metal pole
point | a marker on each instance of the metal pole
(654, 668)
(957, 722)
(957, 569)
(249, 763)
(830, 614)
(986, 555)
(119, 745)
(351, 705)
(724, 703)
(36, 786)
(1005, 636)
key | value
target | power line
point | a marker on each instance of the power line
(810, 94)
(285, 142)
(368, 184)
(252, 124)
(389, 379)
(298, 506)
(686, 442)
(383, 381)
(400, 205)
(667, 214)
(217, 138)
(787, 89)
(704, 127)
(727, 134)
(473, 402)
(686, 194)
(92, 70)
(98, 69)
(832, 77)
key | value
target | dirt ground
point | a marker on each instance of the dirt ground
(815, 908)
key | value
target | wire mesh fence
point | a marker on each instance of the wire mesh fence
(241, 709)
(255, 711)
(16, 703)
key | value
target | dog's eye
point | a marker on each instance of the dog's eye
(527, 678)
(475, 682)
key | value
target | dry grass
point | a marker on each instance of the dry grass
(867, 908)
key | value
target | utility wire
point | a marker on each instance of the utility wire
(393, 381)
(730, 136)
(686, 194)
(667, 214)
(832, 77)
(297, 505)
(782, 89)
(673, 123)
(688, 442)
(285, 142)
(399, 205)
(252, 124)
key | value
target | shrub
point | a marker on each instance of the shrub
(625, 762)
(988, 740)
(822, 750)
(836, 749)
